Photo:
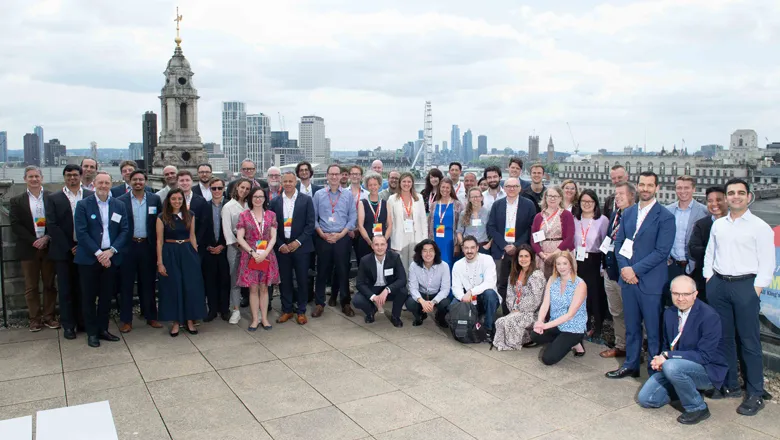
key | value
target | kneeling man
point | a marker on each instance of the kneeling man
(692, 333)
(381, 277)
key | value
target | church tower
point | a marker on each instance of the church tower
(550, 151)
(179, 143)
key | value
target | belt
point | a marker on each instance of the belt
(178, 241)
(681, 263)
(553, 239)
(735, 278)
(139, 239)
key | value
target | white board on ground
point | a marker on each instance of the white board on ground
(16, 429)
(91, 421)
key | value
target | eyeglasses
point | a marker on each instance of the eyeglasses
(275, 176)
(585, 202)
(217, 188)
(258, 197)
(511, 186)
(685, 295)
(334, 174)
(553, 197)
(355, 174)
(248, 169)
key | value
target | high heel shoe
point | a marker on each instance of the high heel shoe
(579, 353)
(192, 331)
(173, 335)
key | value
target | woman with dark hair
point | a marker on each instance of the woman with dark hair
(409, 220)
(230, 213)
(372, 218)
(443, 218)
(523, 297)
(428, 283)
(256, 236)
(473, 221)
(483, 184)
(590, 228)
(431, 190)
(181, 298)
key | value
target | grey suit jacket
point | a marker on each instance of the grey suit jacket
(698, 211)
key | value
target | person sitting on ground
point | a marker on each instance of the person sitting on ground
(381, 277)
(429, 284)
(564, 298)
(695, 359)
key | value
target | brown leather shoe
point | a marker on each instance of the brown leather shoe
(51, 323)
(126, 328)
(284, 318)
(317, 311)
(347, 310)
(613, 353)
(36, 326)
(154, 324)
(301, 319)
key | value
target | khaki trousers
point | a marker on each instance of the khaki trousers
(615, 303)
(35, 270)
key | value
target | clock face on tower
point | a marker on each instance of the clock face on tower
(182, 80)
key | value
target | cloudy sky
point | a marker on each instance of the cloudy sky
(620, 72)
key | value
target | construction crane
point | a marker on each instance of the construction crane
(281, 122)
(576, 145)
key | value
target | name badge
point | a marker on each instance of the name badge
(116, 217)
(581, 254)
(288, 226)
(388, 272)
(627, 250)
(476, 222)
(377, 229)
(607, 246)
(40, 222)
(509, 235)
(152, 210)
(440, 231)
(332, 219)
(409, 225)
(261, 245)
(539, 236)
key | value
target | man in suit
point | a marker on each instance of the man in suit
(196, 204)
(27, 214)
(700, 237)
(60, 208)
(295, 215)
(102, 230)
(204, 180)
(305, 172)
(127, 167)
(381, 277)
(171, 181)
(694, 360)
(248, 171)
(213, 250)
(643, 243)
(687, 212)
(509, 226)
(515, 169)
(89, 168)
(140, 255)
(617, 174)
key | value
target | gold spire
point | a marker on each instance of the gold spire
(177, 20)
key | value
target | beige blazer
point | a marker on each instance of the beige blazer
(398, 239)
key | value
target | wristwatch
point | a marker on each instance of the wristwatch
(665, 354)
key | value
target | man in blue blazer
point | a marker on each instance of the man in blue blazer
(693, 359)
(126, 167)
(295, 225)
(140, 255)
(102, 231)
(642, 246)
(504, 247)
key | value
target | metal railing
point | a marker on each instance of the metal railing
(3, 271)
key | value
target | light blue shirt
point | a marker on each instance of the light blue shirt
(338, 207)
(681, 218)
(105, 243)
(139, 216)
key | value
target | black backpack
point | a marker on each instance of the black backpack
(464, 324)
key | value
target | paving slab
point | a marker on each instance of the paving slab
(322, 424)
(30, 389)
(386, 412)
(173, 366)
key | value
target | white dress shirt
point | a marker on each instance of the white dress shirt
(380, 272)
(288, 206)
(741, 246)
(73, 199)
(206, 191)
(641, 215)
(105, 243)
(38, 211)
(477, 276)
(305, 190)
(488, 199)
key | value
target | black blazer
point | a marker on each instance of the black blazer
(59, 225)
(497, 222)
(152, 201)
(610, 260)
(228, 195)
(22, 224)
(209, 240)
(197, 190)
(697, 245)
(302, 224)
(608, 204)
(200, 208)
(314, 188)
(366, 276)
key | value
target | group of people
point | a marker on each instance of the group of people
(543, 265)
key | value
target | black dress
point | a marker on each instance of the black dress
(181, 295)
(370, 209)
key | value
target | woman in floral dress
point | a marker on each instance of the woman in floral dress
(552, 230)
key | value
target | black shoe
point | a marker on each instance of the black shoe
(225, 316)
(621, 373)
(490, 333)
(369, 318)
(694, 417)
(419, 321)
(751, 406)
(726, 393)
(244, 302)
(531, 344)
(93, 341)
(442, 323)
(333, 301)
(397, 323)
(579, 354)
(193, 331)
(767, 396)
(106, 336)
(210, 317)
(69, 333)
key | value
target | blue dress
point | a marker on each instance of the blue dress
(181, 295)
(559, 305)
(446, 243)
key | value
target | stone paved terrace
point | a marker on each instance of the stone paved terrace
(337, 378)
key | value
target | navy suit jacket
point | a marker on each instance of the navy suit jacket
(652, 245)
(701, 340)
(314, 188)
(121, 189)
(497, 224)
(302, 224)
(89, 230)
(610, 261)
(152, 201)
(366, 275)
(59, 225)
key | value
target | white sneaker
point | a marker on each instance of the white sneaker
(235, 317)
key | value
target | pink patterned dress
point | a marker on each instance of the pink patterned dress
(249, 277)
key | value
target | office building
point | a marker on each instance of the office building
(533, 149)
(444, 147)
(219, 163)
(279, 139)
(234, 133)
(31, 150)
(311, 137)
(53, 153)
(482, 147)
(3, 146)
(455, 142)
(136, 150)
(149, 137)
(258, 141)
(468, 147)
(420, 134)
(212, 148)
(38, 130)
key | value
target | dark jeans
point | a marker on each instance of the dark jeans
(216, 282)
(97, 284)
(487, 305)
(69, 290)
(299, 263)
(503, 266)
(139, 263)
(440, 308)
(330, 256)
(738, 305)
(560, 343)
(368, 307)
(678, 379)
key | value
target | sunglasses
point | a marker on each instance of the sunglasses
(217, 188)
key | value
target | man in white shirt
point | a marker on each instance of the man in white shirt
(171, 180)
(738, 264)
(381, 277)
(493, 176)
(474, 278)
(455, 169)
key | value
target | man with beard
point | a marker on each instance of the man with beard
(204, 176)
(171, 181)
(493, 176)
(126, 167)
(89, 169)
(304, 172)
(274, 176)
(392, 185)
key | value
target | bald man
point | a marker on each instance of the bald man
(377, 166)
(171, 180)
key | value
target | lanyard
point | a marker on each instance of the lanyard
(39, 211)
(680, 326)
(290, 211)
(616, 225)
(260, 225)
(378, 208)
(407, 208)
(332, 203)
(457, 190)
(585, 231)
(443, 212)
(357, 198)
(546, 222)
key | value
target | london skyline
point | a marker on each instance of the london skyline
(639, 73)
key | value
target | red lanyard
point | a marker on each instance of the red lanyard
(407, 208)
(332, 203)
(357, 199)
(378, 209)
(585, 231)
(547, 220)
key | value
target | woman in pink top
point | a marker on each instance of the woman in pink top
(590, 228)
(552, 230)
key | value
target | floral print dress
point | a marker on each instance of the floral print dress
(248, 277)
(513, 330)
